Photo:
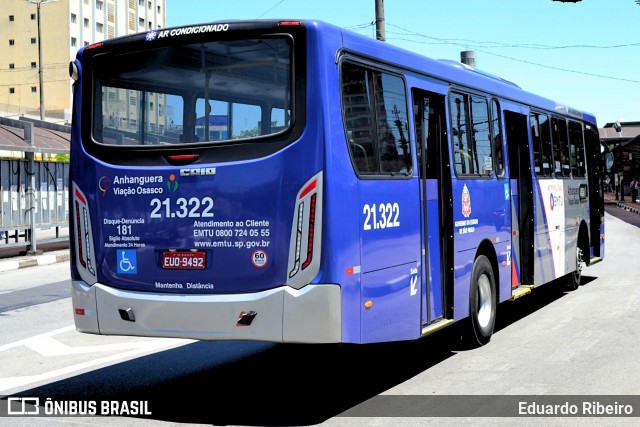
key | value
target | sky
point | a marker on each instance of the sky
(585, 55)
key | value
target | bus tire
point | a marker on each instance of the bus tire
(574, 278)
(482, 301)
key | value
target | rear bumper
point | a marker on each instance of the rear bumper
(308, 315)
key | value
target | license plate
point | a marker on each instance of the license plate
(184, 260)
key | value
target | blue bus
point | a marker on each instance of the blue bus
(291, 181)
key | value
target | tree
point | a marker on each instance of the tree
(249, 133)
(63, 158)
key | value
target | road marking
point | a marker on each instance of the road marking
(26, 340)
(46, 345)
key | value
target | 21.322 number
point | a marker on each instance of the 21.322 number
(183, 208)
(379, 216)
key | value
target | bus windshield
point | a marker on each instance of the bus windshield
(218, 91)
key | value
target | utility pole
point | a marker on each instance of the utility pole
(38, 3)
(380, 32)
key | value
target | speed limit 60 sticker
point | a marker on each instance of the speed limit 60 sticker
(259, 258)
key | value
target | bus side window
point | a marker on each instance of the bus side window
(496, 137)
(542, 148)
(537, 146)
(393, 131)
(576, 150)
(565, 163)
(480, 135)
(560, 148)
(546, 145)
(471, 139)
(357, 111)
(374, 108)
(459, 133)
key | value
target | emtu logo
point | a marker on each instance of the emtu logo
(554, 201)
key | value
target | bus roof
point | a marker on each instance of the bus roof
(450, 70)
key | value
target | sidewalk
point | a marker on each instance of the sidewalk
(23, 261)
(49, 252)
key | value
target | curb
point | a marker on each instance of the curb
(628, 208)
(622, 205)
(33, 261)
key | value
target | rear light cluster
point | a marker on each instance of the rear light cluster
(312, 224)
(306, 233)
(311, 220)
(85, 258)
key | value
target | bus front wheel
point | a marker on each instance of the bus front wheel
(576, 276)
(482, 300)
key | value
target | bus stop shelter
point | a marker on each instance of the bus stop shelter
(623, 140)
(34, 172)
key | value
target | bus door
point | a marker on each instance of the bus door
(522, 250)
(436, 209)
(596, 196)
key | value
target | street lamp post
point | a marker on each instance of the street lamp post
(38, 3)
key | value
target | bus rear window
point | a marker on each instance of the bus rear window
(206, 92)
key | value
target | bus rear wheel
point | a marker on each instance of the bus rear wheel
(482, 301)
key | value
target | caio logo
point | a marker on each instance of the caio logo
(197, 171)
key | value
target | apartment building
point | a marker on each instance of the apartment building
(65, 26)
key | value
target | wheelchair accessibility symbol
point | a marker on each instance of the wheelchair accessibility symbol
(127, 261)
